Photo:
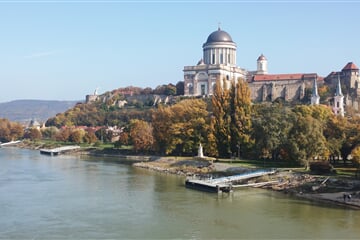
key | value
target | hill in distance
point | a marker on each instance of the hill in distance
(24, 111)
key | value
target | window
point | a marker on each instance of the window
(191, 89)
(213, 59)
(221, 58)
(202, 89)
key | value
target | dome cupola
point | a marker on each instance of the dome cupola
(219, 36)
(219, 48)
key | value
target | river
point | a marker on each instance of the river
(73, 197)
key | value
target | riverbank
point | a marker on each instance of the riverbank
(327, 189)
(317, 188)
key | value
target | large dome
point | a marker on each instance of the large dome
(219, 36)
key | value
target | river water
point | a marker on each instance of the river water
(70, 197)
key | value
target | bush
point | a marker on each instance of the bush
(322, 167)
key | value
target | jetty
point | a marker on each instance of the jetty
(59, 150)
(9, 143)
(224, 184)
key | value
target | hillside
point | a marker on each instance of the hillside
(26, 110)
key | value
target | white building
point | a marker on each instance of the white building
(218, 62)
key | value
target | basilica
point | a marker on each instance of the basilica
(219, 62)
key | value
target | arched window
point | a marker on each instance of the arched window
(191, 88)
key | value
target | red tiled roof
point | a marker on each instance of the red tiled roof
(350, 66)
(283, 77)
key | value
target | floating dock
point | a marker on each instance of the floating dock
(223, 184)
(59, 150)
(9, 143)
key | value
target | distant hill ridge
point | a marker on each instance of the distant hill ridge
(26, 110)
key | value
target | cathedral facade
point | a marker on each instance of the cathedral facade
(219, 63)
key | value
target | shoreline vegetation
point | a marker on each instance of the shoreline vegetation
(330, 189)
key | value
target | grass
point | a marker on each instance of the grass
(260, 163)
(346, 171)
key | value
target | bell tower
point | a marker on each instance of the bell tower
(262, 65)
(338, 107)
(315, 98)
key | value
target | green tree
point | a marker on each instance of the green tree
(271, 126)
(49, 132)
(180, 88)
(306, 139)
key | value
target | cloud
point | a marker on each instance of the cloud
(40, 54)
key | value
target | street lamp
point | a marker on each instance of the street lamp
(238, 147)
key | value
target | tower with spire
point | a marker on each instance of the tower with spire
(315, 97)
(338, 107)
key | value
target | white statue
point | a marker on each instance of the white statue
(200, 151)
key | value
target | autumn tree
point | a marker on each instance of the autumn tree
(210, 144)
(222, 118)
(180, 128)
(355, 153)
(161, 123)
(16, 130)
(63, 135)
(351, 137)
(123, 139)
(141, 134)
(240, 113)
(232, 117)
(10, 131)
(335, 135)
(33, 134)
(90, 137)
(188, 127)
(77, 135)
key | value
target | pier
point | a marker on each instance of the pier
(224, 184)
(9, 143)
(59, 150)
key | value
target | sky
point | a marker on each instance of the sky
(64, 50)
